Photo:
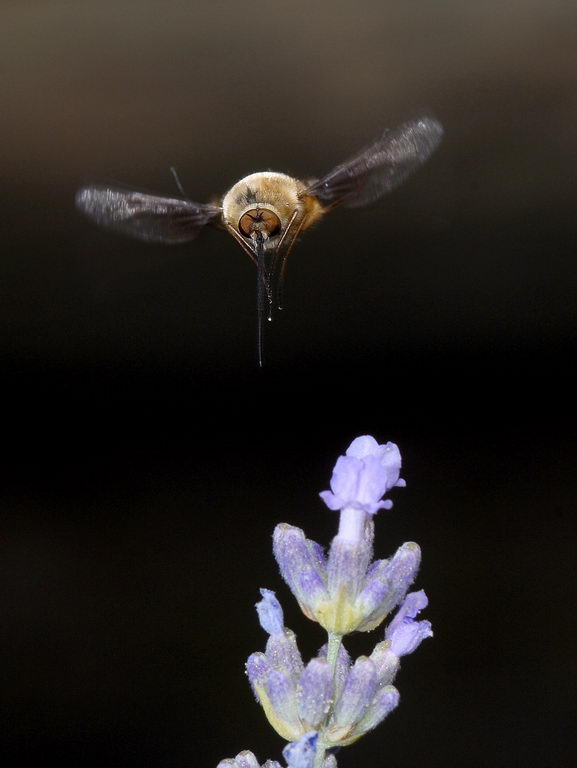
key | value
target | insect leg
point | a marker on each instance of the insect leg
(296, 226)
(243, 244)
(285, 233)
(177, 180)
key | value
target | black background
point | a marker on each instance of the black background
(148, 458)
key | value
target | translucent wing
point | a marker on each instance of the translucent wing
(147, 217)
(381, 167)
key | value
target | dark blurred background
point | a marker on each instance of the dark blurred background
(148, 459)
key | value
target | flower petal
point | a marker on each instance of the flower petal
(362, 446)
(301, 753)
(404, 633)
(270, 613)
(363, 475)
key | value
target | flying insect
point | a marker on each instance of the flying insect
(266, 212)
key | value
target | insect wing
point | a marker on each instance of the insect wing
(380, 168)
(147, 217)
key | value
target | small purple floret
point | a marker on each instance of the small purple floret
(257, 669)
(383, 704)
(270, 613)
(301, 753)
(359, 691)
(282, 653)
(314, 692)
(302, 566)
(404, 633)
(246, 759)
(282, 695)
(361, 478)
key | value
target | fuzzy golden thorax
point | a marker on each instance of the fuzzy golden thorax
(269, 202)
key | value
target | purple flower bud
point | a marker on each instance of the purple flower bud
(274, 677)
(270, 613)
(246, 759)
(282, 653)
(404, 633)
(282, 695)
(376, 587)
(386, 663)
(358, 693)
(301, 566)
(301, 753)
(348, 561)
(281, 649)
(314, 693)
(384, 702)
(275, 690)
(402, 570)
(387, 583)
(361, 478)
(257, 669)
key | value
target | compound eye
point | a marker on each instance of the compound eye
(259, 220)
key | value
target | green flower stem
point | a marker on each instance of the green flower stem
(334, 644)
(333, 650)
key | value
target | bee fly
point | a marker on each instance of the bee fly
(265, 212)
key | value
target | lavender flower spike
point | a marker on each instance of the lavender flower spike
(332, 701)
